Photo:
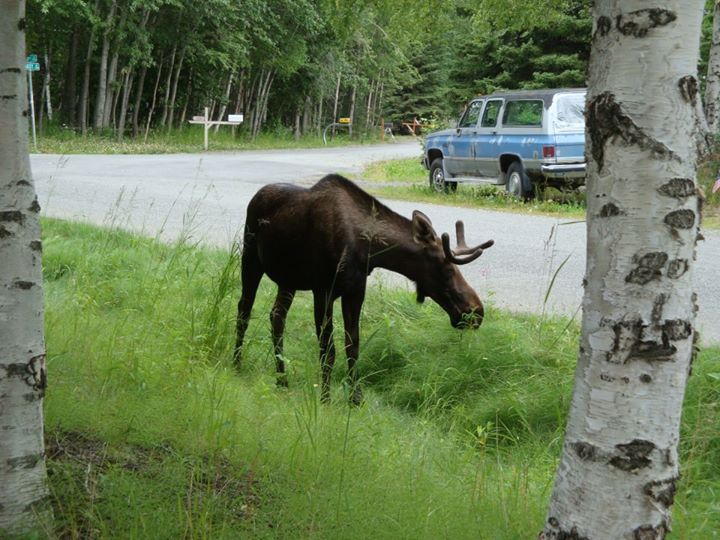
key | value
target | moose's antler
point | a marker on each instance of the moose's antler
(462, 248)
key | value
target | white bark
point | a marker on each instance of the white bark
(712, 88)
(23, 489)
(616, 479)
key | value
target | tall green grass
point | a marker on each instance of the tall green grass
(56, 139)
(152, 434)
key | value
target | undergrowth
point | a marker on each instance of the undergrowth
(56, 139)
(407, 179)
(151, 432)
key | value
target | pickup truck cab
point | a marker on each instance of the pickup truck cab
(521, 139)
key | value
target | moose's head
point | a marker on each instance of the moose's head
(439, 276)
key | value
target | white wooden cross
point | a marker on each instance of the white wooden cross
(233, 120)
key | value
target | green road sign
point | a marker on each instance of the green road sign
(32, 66)
(31, 59)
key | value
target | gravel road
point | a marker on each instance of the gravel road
(205, 195)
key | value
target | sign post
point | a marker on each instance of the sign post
(342, 122)
(233, 120)
(31, 64)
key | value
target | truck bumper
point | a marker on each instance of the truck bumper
(563, 170)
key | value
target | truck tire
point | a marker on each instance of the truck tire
(437, 178)
(517, 182)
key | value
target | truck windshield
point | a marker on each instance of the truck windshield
(570, 112)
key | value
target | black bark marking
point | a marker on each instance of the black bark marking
(679, 188)
(648, 532)
(32, 396)
(33, 373)
(21, 24)
(25, 113)
(652, 350)
(607, 121)
(8, 97)
(10, 70)
(645, 378)
(572, 534)
(38, 371)
(36, 245)
(604, 25)
(681, 219)
(24, 285)
(34, 206)
(4, 233)
(639, 23)
(695, 351)
(677, 268)
(23, 183)
(634, 455)
(689, 89)
(14, 216)
(586, 451)
(610, 210)
(553, 521)
(658, 307)
(627, 333)
(648, 268)
(24, 462)
(662, 491)
(677, 329)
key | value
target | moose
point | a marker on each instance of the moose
(327, 239)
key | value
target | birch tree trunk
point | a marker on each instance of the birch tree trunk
(173, 94)
(168, 83)
(85, 96)
(103, 70)
(712, 88)
(46, 87)
(617, 474)
(23, 377)
(154, 98)
(336, 102)
(68, 107)
(138, 101)
(353, 97)
(126, 88)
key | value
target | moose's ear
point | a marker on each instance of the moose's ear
(423, 232)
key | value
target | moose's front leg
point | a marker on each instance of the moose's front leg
(283, 301)
(351, 306)
(324, 330)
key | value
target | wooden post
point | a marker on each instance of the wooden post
(206, 127)
(382, 129)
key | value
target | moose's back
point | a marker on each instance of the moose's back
(306, 238)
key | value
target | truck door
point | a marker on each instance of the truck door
(459, 156)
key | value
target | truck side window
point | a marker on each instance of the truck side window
(523, 113)
(490, 116)
(471, 115)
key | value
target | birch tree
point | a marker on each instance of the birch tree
(712, 88)
(619, 466)
(23, 490)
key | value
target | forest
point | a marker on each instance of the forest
(127, 67)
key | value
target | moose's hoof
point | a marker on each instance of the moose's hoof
(356, 398)
(281, 381)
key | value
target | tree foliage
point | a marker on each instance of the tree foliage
(137, 65)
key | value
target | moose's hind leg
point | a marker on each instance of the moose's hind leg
(283, 301)
(251, 274)
(351, 306)
(324, 330)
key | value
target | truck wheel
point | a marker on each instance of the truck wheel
(437, 178)
(518, 184)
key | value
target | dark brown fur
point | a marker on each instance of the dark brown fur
(327, 239)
